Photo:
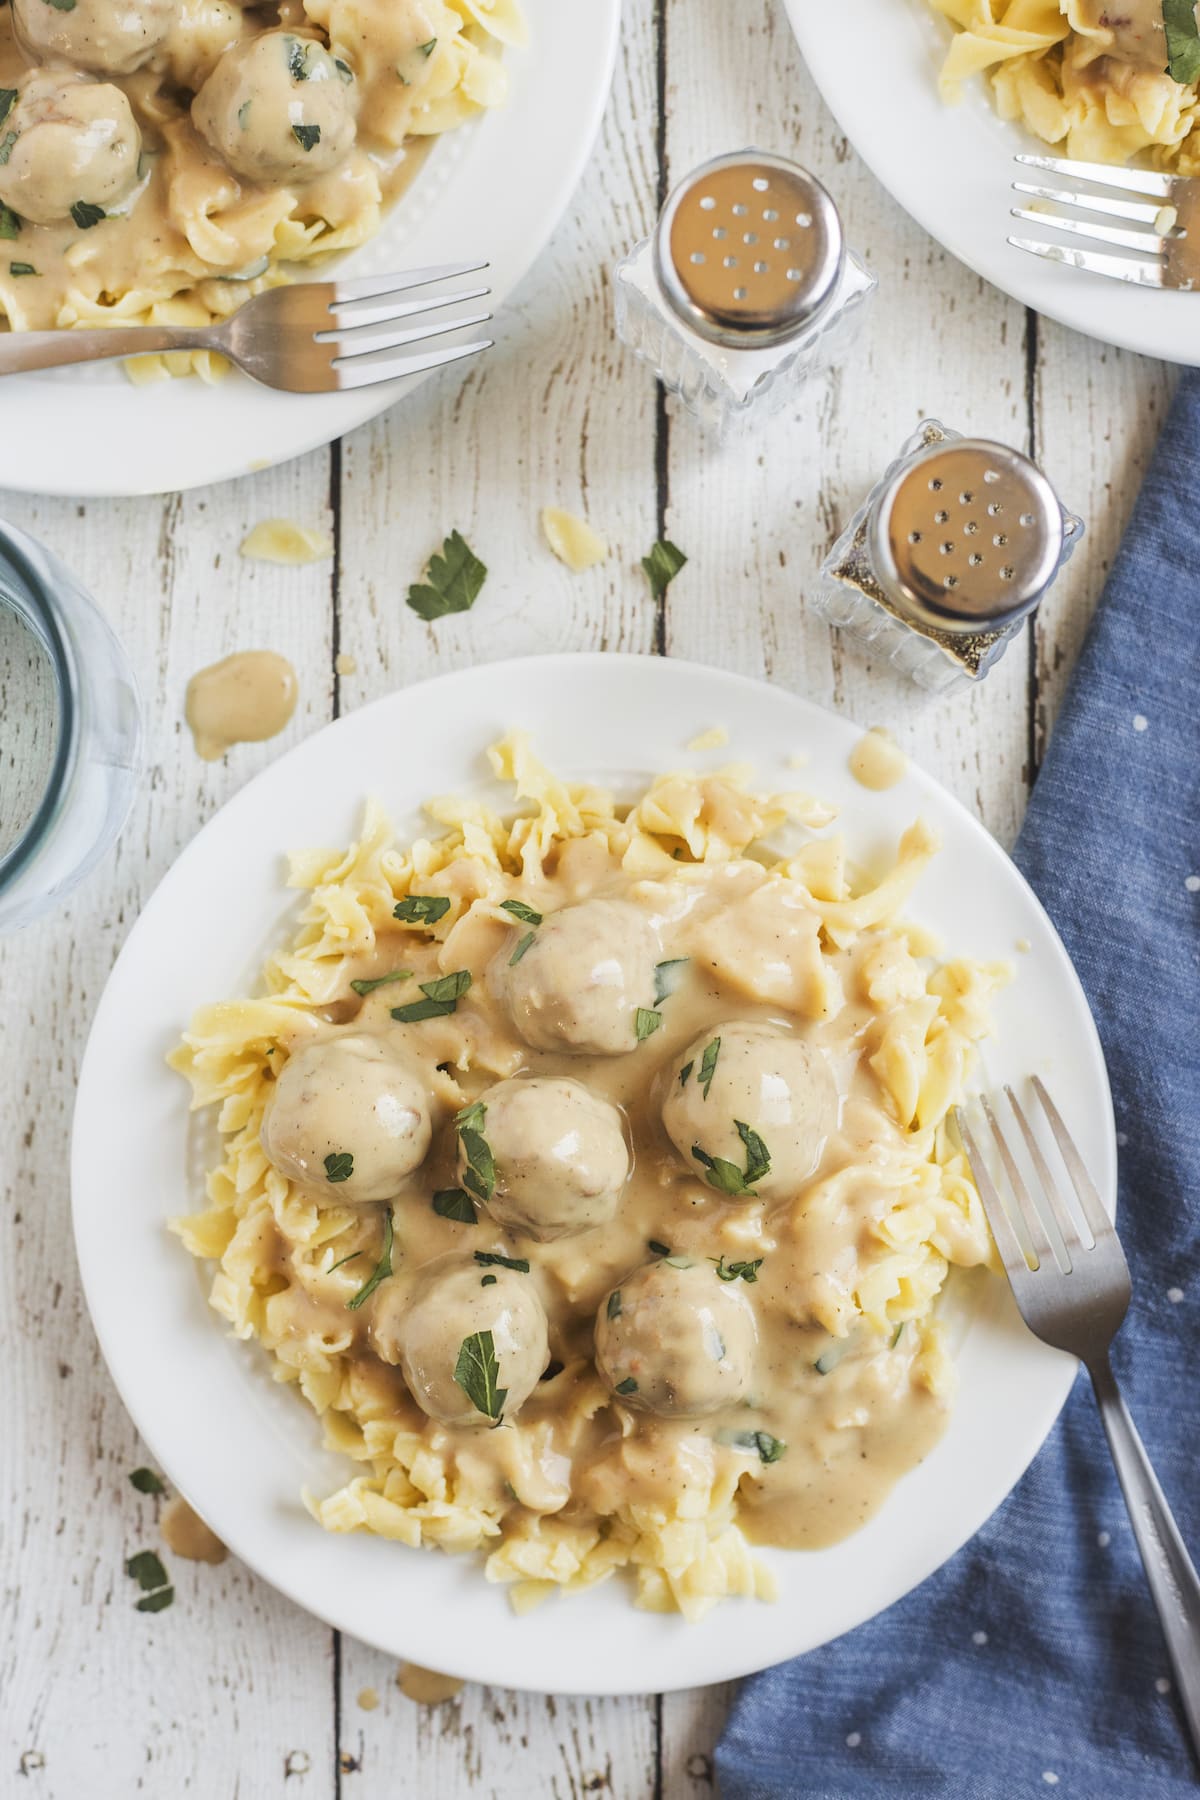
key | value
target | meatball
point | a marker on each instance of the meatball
(349, 1120)
(70, 139)
(580, 984)
(779, 1088)
(108, 37)
(433, 1329)
(560, 1156)
(675, 1339)
(278, 107)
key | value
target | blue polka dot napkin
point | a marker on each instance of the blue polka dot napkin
(1032, 1663)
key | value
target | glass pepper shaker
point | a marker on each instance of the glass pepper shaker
(947, 557)
(745, 289)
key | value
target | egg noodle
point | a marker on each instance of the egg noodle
(854, 1377)
(1087, 77)
(193, 239)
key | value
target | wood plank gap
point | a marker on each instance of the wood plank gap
(662, 419)
(335, 573)
(1033, 636)
(337, 1715)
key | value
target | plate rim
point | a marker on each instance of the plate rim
(1057, 1374)
(1033, 283)
(34, 475)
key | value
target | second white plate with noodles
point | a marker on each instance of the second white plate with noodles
(493, 189)
(242, 1447)
(877, 64)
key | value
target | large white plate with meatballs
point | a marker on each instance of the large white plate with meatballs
(492, 190)
(242, 1447)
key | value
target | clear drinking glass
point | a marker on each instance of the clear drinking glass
(70, 731)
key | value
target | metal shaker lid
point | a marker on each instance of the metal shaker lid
(749, 250)
(967, 535)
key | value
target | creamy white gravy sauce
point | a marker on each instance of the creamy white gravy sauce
(850, 1433)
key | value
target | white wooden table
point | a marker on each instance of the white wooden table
(233, 1692)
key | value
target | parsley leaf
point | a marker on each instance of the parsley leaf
(146, 1569)
(383, 1267)
(480, 1175)
(646, 1023)
(339, 1166)
(20, 268)
(425, 49)
(748, 1271)
(6, 146)
(758, 1157)
(343, 1260)
(452, 583)
(85, 214)
(658, 1249)
(307, 136)
(491, 1258)
(421, 909)
(896, 1335)
(725, 1176)
(343, 69)
(62, 5)
(521, 948)
(368, 987)
(8, 99)
(628, 1386)
(663, 565)
(297, 59)
(613, 1309)
(769, 1448)
(453, 1203)
(10, 224)
(472, 1116)
(162, 1597)
(519, 910)
(708, 1065)
(1183, 40)
(477, 1373)
(685, 1072)
(441, 998)
(147, 1482)
(487, 1281)
(666, 981)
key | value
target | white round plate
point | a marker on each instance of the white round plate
(241, 1447)
(951, 168)
(494, 190)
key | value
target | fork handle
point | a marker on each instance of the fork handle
(21, 351)
(1170, 1571)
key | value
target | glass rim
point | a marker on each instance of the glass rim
(23, 553)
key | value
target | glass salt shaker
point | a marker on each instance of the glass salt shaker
(947, 557)
(745, 290)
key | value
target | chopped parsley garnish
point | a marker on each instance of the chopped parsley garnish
(10, 224)
(685, 1073)
(666, 980)
(8, 99)
(1183, 40)
(658, 1249)
(62, 5)
(85, 214)
(519, 910)
(896, 1335)
(368, 987)
(343, 1260)
(307, 136)
(6, 145)
(441, 998)
(769, 1448)
(487, 1281)
(646, 1023)
(663, 565)
(147, 1482)
(452, 581)
(708, 1065)
(162, 1598)
(746, 1271)
(521, 948)
(480, 1175)
(725, 1176)
(146, 1569)
(492, 1259)
(339, 1165)
(477, 1373)
(297, 59)
(383, 1267)
(453, 1203)
(425, 49)
(421, 909)
(21, 268)
(628, 1386)
(244, 113)
(829, 1359)
(613, 1309)
(343, 69)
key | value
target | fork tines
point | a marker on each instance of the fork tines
(1150, 265)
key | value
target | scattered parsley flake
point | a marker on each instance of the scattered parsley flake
(6, 146)
(452, 581)
(145, 1568)
(613, 1309)
(646, 1023)
(454, 1203)
(658, 1249)
(307, 136)
(425, 49)
(487, 1281)
(708, 1065)
(685, 1072)
(441, 998)
(10, 224)
(492, 1259)
(666, 981)
(521, 948)
(8, 99)
(519, 910)
(663, 565)
(725, 1176)
(21, 268)
(147, 1482)
(1183, 40)
(383, 1267)
(746, 1271)
(339, 1165)
(477, 1373)
(85, 214)
(297, 59)
(421, 909)
(368, 987)
(628, 1386)
(156, 1602)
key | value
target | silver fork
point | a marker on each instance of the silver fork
(315, 337)
(1074, 1294)
(1163, 255)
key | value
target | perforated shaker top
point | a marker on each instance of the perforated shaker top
(749, 250)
